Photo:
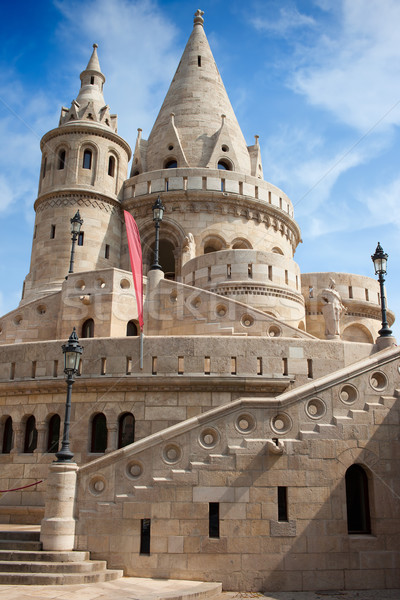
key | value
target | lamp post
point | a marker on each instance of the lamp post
(76, 224)
(380, 260)
(158, 212)
(72, 355)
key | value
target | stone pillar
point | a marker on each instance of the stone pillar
(18, 438)
(112, 437)
(41, 445)
(58, 525)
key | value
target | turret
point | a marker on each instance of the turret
(84, 165)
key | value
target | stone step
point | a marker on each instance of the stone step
(45, 555)
(8, 578)
(20, 535)
(39, 566)
(19, 545)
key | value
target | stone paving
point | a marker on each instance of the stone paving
(135, 588)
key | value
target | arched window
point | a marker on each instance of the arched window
(131, 328)
(88, 329)
(53, 438)
(224, 165)
(111, 166)
(44, 168)
(7, 436)
(87, 159)
(357, 500)
(61, 160)
(99, 433)
(126, 430)
(30, 435)
(171, 164)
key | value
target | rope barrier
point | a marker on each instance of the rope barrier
(21, 488)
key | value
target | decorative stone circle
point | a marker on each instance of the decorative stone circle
(221, 310)
(134, 469)
(247, 320)
(97, 485)
(225, 148)
(348, 393)
(18, 319)
(274, 331)
(281, 423)
(41, 309)
(209, 437)
(100, 283)
(171, 454)
(245, 423)
(196, 302)
(125, 285)
(80, 285)
(170, 147)
(173, 297)
(315, 408)
(378, 381)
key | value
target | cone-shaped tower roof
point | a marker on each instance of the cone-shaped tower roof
(90, 104)
(196, 124)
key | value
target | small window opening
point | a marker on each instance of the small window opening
(111, 166)
(209, 273)
(280, 203)
(91, 80)
(297, 282)
(199, 61)
(229, 271)
(285, 366)
(145, 525)
(259, 366)
(53, 437)
(310, 292)
(270, 272)
(282, 504)
(154, 365)
(81, 235)
(269, 198)
(88, 329)
(31, 433)
(233, 365)
(99, 433)
(213, 520)
(204, 183)
(55, 368)
(171, 164)
(223, 165)
(53, 232)
(12, 370)
(103, 369)
(222, 185)
(126, 430)
(7, 436)
(367, 294)
(128, 365)
(35, 232)
(131, 329)
(44, 169)
(350, 291)
(286, 277)
(61, 160)
(87, 159)
(310, 368)
(33, 372)
(357, 501)
(255, 191)
(107, 251)
(181, 365)
(250, 271)
(207, 365)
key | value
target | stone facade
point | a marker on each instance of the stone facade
(256, 442)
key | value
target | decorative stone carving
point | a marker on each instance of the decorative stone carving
(188, 248)
(332, 308)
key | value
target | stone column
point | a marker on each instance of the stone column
(58, 525)
(41, 445)
(112, 437)
(18, 438)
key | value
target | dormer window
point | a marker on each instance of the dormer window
(87, 159)
(61, 160)
(224, 165)
(171, 164)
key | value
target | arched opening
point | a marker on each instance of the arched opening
(171, 164)
(131, 328)
(357, 333)
(88, 329)
(126, 429)
(241, 244)
(53, 436)
(224, 165)
(357, 500)
(213, 244)
(302, 326)
(7, 436)
(30, 442)
(87, 159)
(166, 258)
(277, 250)
(111, 166)
(99, 433)
(61, 160)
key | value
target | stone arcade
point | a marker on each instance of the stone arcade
(258, 446)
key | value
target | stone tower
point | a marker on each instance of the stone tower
(84, 165)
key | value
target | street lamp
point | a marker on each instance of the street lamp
(72, 355)
(76, 224)
(380, 260)
(158, 212)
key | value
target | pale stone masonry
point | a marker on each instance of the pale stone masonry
(258, 443)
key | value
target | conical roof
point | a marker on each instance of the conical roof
(198, 114)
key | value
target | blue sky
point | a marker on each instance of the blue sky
(317, 80)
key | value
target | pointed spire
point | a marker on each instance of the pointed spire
(90, 104)
(198, 98)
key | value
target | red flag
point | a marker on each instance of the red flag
(135, 254)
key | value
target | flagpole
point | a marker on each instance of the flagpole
(141, 350)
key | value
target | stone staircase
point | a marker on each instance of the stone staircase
(23, 562)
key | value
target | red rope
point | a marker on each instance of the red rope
(21, 488)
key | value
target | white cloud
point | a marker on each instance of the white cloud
(289, 19)
(355, 73)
